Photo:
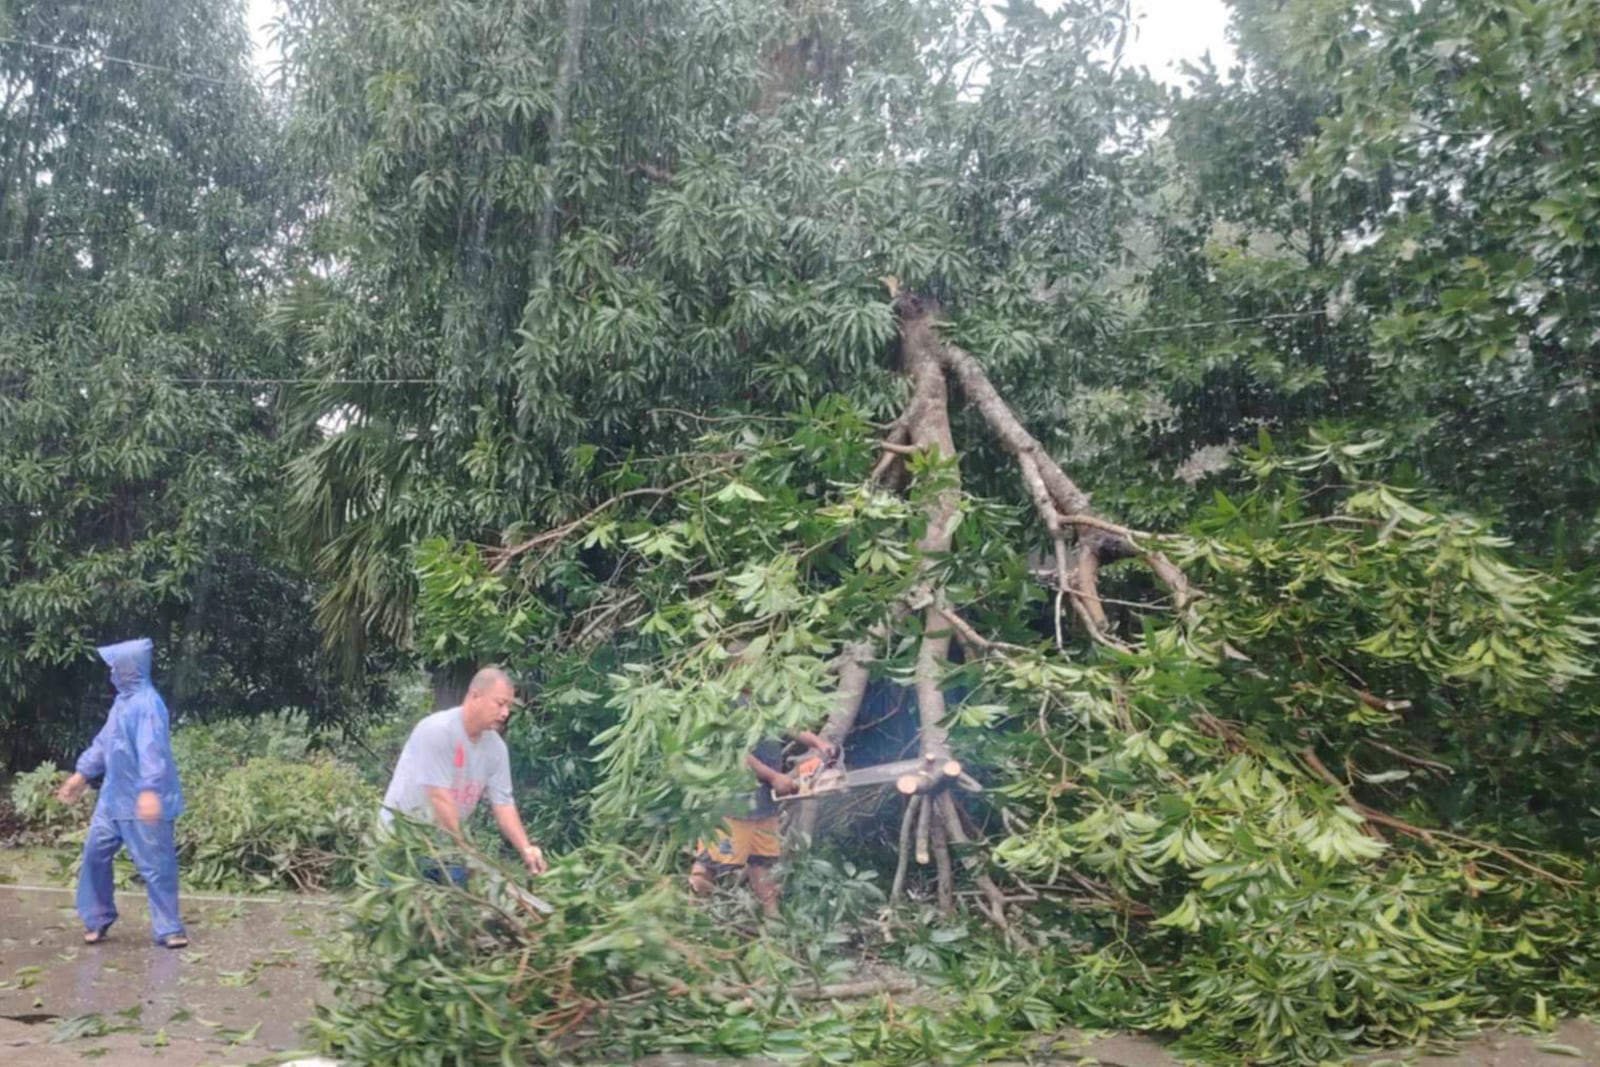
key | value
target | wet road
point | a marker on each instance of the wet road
(242, 989)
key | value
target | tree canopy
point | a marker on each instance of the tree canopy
(140, 221)
(1200, 483)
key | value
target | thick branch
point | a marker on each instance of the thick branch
(1009, 431)
(941, 861)
(1070, 503)
(1086, 583)
(923, 825)
(956, 832)
(853, 677)
(894, 448)
(975, 641)
(1170, 576)
(907, 821)
(930, 431)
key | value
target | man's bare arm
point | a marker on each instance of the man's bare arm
(780, 783)
(445, 815)
(815, 743)
(510, 822)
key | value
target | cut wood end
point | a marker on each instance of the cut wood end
(952, 768)
(909, 784)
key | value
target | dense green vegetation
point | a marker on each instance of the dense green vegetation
(562, 335)
(266, 809)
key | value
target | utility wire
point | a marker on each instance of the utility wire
(103, 58)
(1228, 322)
(160, 380)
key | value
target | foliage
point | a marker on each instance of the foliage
(1253, 910)
(138, 210)
(432, 972)
(275, 822)
(267, 807)
(573, 258)
(1240, 895)
(210, 750)
(429, 972)
(1395, 630)
(33, 799)
(603, 292)
(1385, 218)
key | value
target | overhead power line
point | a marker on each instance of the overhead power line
(1227, 322)
(119, 60)
(189, 380)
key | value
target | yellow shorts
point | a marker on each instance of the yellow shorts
(740, 842)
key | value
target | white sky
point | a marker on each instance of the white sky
(1170, 31)
(1166, 32)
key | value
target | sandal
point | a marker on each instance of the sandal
(173, 941)
(95, 937)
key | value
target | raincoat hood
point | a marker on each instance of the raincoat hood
(130, 664)
(132, 754)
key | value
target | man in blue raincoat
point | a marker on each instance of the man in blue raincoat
(139, 799)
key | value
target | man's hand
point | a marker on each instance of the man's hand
(148, 807)
(784, 785)
(72, 789)
(512, 830)
(818, 744)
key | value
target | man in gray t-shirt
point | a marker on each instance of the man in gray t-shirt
(456, 756)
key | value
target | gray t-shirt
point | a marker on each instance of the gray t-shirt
(438, 754)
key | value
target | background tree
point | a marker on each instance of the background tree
(139, 220)
(575, 229)
(1380, 220)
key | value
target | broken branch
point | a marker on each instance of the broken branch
(1427, 837)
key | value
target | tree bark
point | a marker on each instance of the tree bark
(568, 72)
(954, 831)
(930, 431)
(1057, 498)
(924, 823)
(907, 822)
(941, 862)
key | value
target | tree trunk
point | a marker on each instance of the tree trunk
(929, 429)
(450, 684)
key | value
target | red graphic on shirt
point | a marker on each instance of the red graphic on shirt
(463, 791)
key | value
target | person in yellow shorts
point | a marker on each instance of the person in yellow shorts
(748, 845)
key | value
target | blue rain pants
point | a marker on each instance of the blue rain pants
(155, 857)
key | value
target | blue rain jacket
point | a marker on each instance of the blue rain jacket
(134, 748)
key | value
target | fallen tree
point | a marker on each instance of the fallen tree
(1228, 816)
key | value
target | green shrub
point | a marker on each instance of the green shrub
(205, 750)
(376, 749)
(34, 800)
(275, 822)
